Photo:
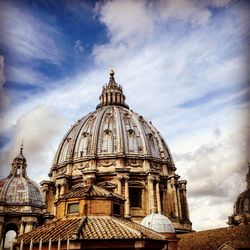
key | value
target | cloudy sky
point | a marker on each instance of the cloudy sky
(182, 64)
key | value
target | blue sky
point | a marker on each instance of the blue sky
(182, 64)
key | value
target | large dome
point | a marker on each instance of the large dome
(111, 131)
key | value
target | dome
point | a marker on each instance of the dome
(17, 188)
(158, 223)
(242, 203)
(111, 131)
(117, 149)
(20, 190)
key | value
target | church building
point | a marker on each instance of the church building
(112, 184)
(120, 151)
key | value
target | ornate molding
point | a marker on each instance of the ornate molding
(134, 163)
(106, 163)
(81, 166)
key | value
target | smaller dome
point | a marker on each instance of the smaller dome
(242, 203)
(17, 188)
(20, 191)
(158, 223)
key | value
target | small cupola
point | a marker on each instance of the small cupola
(158, 223)
(112, 93)
(19, 165)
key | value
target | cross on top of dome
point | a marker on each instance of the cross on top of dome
(112, 93)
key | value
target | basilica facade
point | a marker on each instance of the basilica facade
(120, 151)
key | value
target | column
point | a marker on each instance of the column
(21, 228)
(158, 196)
(174, 197)
(109, 98)
(151, 194)
(29, 226)
(113, 98)
(185, 203)
(1, 227)
(45, 190)
(127, 206)
(178, 200)
(57, 191)
(118, 98)
(105, 99)
(101, 100)
(119, 185)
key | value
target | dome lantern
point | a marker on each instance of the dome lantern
(19, 165)
(112, 93)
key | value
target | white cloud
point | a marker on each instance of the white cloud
(26, 75)
(2, 78)
(4, 99)
(126, 20)
(220, 3)
(78, 46)
(215, 172)
(40, 129)
(25, 36)
(184, 10)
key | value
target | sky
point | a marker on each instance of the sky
(182, 65)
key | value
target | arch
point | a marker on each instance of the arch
(10, 233)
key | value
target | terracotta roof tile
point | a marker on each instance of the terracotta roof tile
(237, 237)
(91, 228)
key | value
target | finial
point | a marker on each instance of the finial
(112, 72)
(21, 147)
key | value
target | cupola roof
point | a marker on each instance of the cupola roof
(158, 223)
(242, 203)
(17, 188)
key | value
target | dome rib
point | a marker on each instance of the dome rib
(162, 143)
(146, 147)
(120, 136)
(95, 135)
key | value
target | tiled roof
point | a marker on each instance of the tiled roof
(90, 228)
(236, 237)
(90, 191)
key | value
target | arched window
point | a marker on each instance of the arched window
(246, 205)
(10, 233)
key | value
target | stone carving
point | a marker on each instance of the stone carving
(82, 166)
(61, 171)
(134, 163)
(13, 209)
(107, 163)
